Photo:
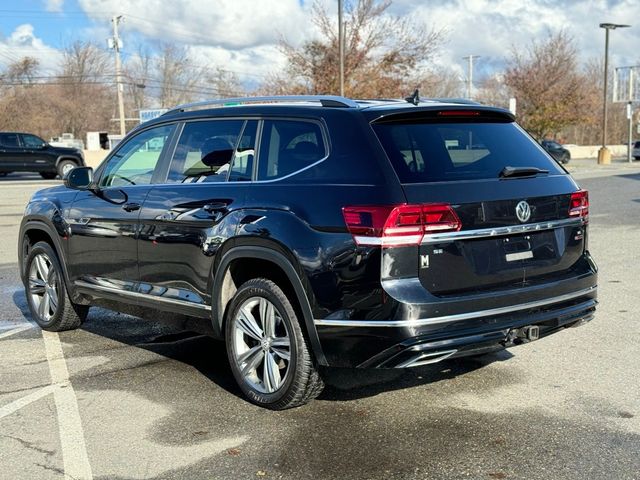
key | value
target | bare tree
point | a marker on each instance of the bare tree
(21, 71)
(138, 72)
(177, 76)
(384, 55)
(85, 94)
(548, 85)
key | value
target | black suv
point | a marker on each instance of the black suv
(24, 152)
(320, 231)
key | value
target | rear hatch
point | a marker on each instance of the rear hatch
(515, 217)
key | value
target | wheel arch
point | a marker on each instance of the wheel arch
(36, 231)
(75, 160)
(271, 264)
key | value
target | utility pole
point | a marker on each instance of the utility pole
(341, 47)
(117, 45)
(470, 76)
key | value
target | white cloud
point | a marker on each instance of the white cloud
(54, 5)
(229, 24)
(491, 28)
(22, 42)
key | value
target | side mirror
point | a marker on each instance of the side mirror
(44, 145)
(79, 178)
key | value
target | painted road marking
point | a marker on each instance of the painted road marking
(19, 329)
(74, 448)
(24, 401)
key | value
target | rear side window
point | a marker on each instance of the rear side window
(204, 151)
(288, 146)
(9, 139)
(440, 152)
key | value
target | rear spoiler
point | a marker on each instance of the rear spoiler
(447, 114)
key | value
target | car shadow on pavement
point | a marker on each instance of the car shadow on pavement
(208, 356)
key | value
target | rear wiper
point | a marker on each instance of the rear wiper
(510, 172)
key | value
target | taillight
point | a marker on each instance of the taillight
(399, 226)
(579, 204)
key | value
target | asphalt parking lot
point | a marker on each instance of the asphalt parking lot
(122, 398)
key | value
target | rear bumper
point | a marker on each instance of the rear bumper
(404, 343)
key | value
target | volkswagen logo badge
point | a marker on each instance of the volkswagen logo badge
(523, 211)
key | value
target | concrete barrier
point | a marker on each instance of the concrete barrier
(591, 151)
(93, 157)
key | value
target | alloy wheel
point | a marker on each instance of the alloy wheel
(43, 287)
(67, 167)
(262, 345)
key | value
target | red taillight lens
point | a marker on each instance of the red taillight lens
(579, 204)
(399, 226)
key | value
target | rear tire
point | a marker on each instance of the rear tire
(48, 175)
(65, 166)
(47, 295)
(268, 352)
(565, 158)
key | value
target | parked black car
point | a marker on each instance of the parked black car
(319, 231)
(24, 152)
(557, 151)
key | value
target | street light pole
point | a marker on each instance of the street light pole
(119, 85)
(604, 156)
(470, 76)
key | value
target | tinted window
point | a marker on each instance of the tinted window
(432, 152)
(9, 139)
(288, 146)
(204, 151)
(135, 161)
(31, 141)
(242, 165)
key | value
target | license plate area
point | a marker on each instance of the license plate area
(517, 248)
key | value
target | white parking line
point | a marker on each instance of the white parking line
(27, 400)
(74, 449)
(19, 329)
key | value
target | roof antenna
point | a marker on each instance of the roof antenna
(413, 98)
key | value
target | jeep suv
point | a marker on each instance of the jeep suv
(24, 152)
(319, 231)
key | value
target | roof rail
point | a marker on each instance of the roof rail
(324, 100)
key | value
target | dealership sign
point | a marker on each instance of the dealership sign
(150, 114)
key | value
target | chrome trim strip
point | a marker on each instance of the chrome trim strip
(146, 296)
(455, 317)
(499, 231)
(426, 358)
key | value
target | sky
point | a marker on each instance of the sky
(241, 35)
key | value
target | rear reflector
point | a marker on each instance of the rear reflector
(579, 205)
(402, 225)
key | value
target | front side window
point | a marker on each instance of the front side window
(288, 146)
(135, 161)
(204, 151)
(31, 141)
(9, 139)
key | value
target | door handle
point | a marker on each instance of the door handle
(214, 207)
(131, 207)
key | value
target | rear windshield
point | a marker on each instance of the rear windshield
(440, 152)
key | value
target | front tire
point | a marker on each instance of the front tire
(47, 294)
(267, 350)
(65, 166)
